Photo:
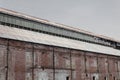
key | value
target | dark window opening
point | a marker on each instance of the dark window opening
(86, 75)
(105, 78)
(114, 78)
(67, 78)
(93, 77)
(43, 52)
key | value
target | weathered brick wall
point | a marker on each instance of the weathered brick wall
(28, 61)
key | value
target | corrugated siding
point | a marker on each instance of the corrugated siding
(30, 36)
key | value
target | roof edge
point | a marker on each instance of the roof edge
(19, 14)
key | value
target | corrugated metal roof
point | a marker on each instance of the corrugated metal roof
(36, 37)
(53, 23)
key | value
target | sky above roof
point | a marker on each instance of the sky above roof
(98, 16)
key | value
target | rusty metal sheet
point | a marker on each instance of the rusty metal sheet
(3, 41)
(103, 64)
(16, 64)
(91, 64)
(62, 58)
(17, 43)
(78, 65)
(3, 62)
(43, 57)
(116, 65)
(40, 74)
(43, 47)
(77, 58)
(111, 66)
(20, 63)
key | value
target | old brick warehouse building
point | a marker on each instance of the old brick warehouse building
(37, 49)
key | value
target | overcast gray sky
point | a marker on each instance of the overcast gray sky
(98, 16)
